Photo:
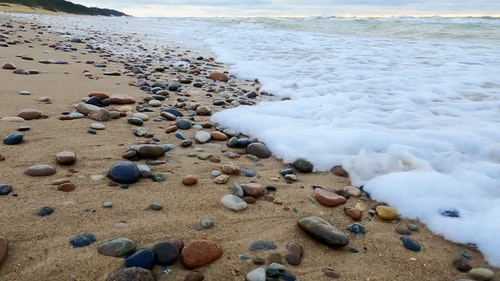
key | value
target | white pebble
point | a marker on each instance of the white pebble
(97, 126)
(234, 202)
(258, 274)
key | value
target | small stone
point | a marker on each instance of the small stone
(386, 213)
(12, 119)
(352, 190)
(231, 169)
(258, 149)
(218, 136)
(184, 124)
(135, 121)
(121, 99)
(328, 198)
(85, 108)
(155, 103)
(218, 76)
(330, 273)
(356, 228)
(481, 274)
(222, 179)
(238, 190)
(167, 253)
(97, 126)
(194, 276)
(258, 274)
(149, 151)
(107, 204)
(354, 213)
(403, 230)
(206, 223)
(66, 158)
(155, 206)
(203, 110)
(67, 187)
(4, 247)
(119, 247)
(13, 139)
(233, 202)
(131, 274)
(286, 171)
(82, 240)
(410, 243)
(322, 231)
(21, 71)
(5, 189)
(303, 165)
(101, 115)
(247, 172)
(263, 245)
(202, 136)
(253, 189)
(462, 264)
(9, 66)
(23, 128)
(144, 258)
(295, 251)
(290, 177)
(40, 170)
(140, 132)
(30, 114)
(413, 226)
(158, 176)
(189, 180)
(124, 172)
(199, 253)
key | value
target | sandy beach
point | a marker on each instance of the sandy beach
(39, 247)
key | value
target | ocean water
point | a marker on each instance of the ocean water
(409, 106)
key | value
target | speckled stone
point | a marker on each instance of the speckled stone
(199, 253)
(119, 247)
(131, 274)
(323, 231)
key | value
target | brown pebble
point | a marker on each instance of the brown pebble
(353, 213)
(189, 180)
(68, 187)
(2, 158)
(275, 258)
(203, 110)
(171, 129)
(218, 136)
(99, 95)
(462, 264)
(169, 116)
(339, 171)
(328, 198)
(259, 149)
(230, 169)
(218, 76)
(66, 158)
(129, 154)
(330, 273)
(295, 251)
(194, 276)
(40, 170)
(258, 261)
(121, 99)
(3, 249)
(249, 199)
(177, 242)
(253, 189)
(199, 253)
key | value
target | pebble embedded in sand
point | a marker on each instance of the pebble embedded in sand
(218, 76)
(303, 165)
(199, 253)
(233, 202)
(149, 151)
(131, 274)
(40, 170)
(30, 114)
(121, 99)
(386, 213)
(218, 136)
(323, 231)
(258, 274)
(481, 274)
(82, 240)
(9, 65)
(66, 157)
(202, 136)
(328, 198)
(101, 115)
(231, 169)
(295, 251)
(119, 247)
(13, 139)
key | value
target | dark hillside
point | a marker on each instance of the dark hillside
(66, 6)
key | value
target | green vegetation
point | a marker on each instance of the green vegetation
(66, 6)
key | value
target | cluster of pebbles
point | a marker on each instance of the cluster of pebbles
(172, 107)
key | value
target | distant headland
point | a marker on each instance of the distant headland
(61, 6)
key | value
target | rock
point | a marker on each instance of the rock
(13, 139)
(97, 126)
(233, 202)
(67, 187)
(230, 169)
(40, 170)
(99, 95)
(101, 115)
(45, 211)
(218, 136)
(21, 71)
(258, 274)
(82, 240)
(203, 110)
(131, 274)
(124, 172)
(218, 76)
(85, 108)
(184, 124)
(144, 258)
(202, 136)
(339, 171)
(328, 198)
(30, 114)
(158, 176)
(190, 180)
(121, 99)
(135, 121)
(119, 247)
(247, 172)
(4, 247)
(330, 273)
(462, 264)
(142, 116)
(5, 189)
(322, 231)
(66, 158)
(238, 190)
(207, 223)
(154, 103)
(222, 179)
(23, 128)
(149, 151)
(352, 190)
(155, 206)
(253, 189)
(259, 149)
(481, 274)
(303, 165)
(356, 228)
(295, 251)
(410, 243)
(263, 245)
(194, 276)
(403, 230)
(24, 92)
(9, 66)
(386, 213)
(167, 253)
(12, 119)
(353, 213)
(199, 253)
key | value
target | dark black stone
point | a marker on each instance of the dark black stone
(287, 171)
(173, 87)
(451, 213)
(410, 243)
(198, 85)
(144, 258)
(124, 172)
(92, 132)
(5, 189)
(286, 276)
(135, 121)
(13, 139)
(356, 228)
(166, 253)
(303, 165)
(218, 102)
(45, 211)
(263, 245)
(23, 128)
(174, 112)
(94, 101)
(82, 240)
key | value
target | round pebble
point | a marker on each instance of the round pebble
(13, 139)
(167, 253)
(189, 180)
(155, 206)
(124, 172)
(82, 240)
(5, 189)
(233, 202)
(66, 158)
(107, 204)
(206, 223)
(199, 253)
(97, 126)
(303, 165)
(40, 170)
(119, 247)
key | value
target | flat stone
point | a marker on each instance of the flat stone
(328, 198)
(40, 170)
(66, 158)
(218, 136)
(352, 190)
(184, 124)
(203, 110)
(144, 258)
(82, 240)
(233, 202)
(410, 243)
(303, 165)
(9, 65)
(119, 247)
(259, 149)
(202, 136)
(121, 99)
(258, 274)
(149, 151)
(263, 245)
(124, 172)
(247, 172)
(140, 115)
(199, 253)
(167, 253)
(100, 95)
(4, 247)
(97, 126)
(12, 119)
(323, 231)
(67, 187)
(23, 128)
(481, 274)
(353, 213)
(189, 180)
(295, 251)
(218, 76)
(85, 108)
(30, 114)
(5, 189)
(386, 213)
(155, 206)
(45, 211)
(13, 139)
(135, 121)
(131, 274)
(101, 115)
(253, 189)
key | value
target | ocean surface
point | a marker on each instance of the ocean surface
(409, 106)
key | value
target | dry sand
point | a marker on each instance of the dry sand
(39, 248)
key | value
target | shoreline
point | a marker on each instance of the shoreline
(38, 246)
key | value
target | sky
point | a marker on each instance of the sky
(209, 8)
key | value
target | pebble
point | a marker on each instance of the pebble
(40, 170)
(356, 228)
(253, 189)
(67, 187)
(124, 172)
(66, 158)
(410, 243)
(23, 128)
(155, 206)
(403, 230)
(218, 136)
(158, 176)
(189, 180)
(386, 213)
(82, 240)
(233, 202)
(194, 276)
(140, 115)
(481, 274)
(222, 179)
(303, 165)
(4, 246)
(13, 139)
(101, 115)
(238, 190)
(199, 253)
(12, 119)
(207, 223)
(328, 198)
(258, 274)
(203, 110)
(5, 189)
(144, 258)
(322, 231)
(29, 114)
(9, 66)
(352, 190)
(131, 274)
(155, 103)
(295, 251)
(21, 71)
(330, 273)
(215, 173)
(45, 211)
(354, 213)
(202, 136)
(149, 151)
(263, 245)
(140, 132)
(24, 93)
(107, 204)
(290, 177)
(119, 247)
(184, 124)
(231, 169)
(462, 264)
(247, 172)
(121, 99)
(287, 171)
(258, 149)
(166, 253)
(85, 108)
(218, 76)
(135, 121)
(97, 126)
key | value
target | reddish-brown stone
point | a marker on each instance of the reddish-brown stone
(218, 136)
(171, 129)
(99, 95)
(199, 253)
(121, 99)
(253, 189)
(259, 149)
(189, 180)
(328, 198)
(295, 251)
(66, 157)
(68, 187)
(218, 76)
(353, 213)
